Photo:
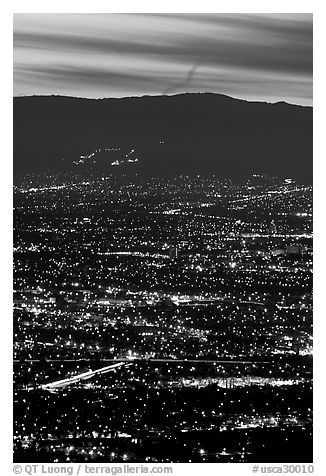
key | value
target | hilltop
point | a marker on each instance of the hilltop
(162, 135)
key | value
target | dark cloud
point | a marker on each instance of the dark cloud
(164, 53)
(184, 83)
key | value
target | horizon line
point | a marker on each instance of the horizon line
(158, 95)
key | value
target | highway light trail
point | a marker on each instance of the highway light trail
(84, 376)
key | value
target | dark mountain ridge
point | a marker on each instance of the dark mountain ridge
(162, 135)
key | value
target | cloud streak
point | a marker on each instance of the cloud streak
(255, 57)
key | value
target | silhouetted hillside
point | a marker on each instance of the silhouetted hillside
(186, 133)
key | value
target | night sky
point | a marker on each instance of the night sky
(263, 57)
